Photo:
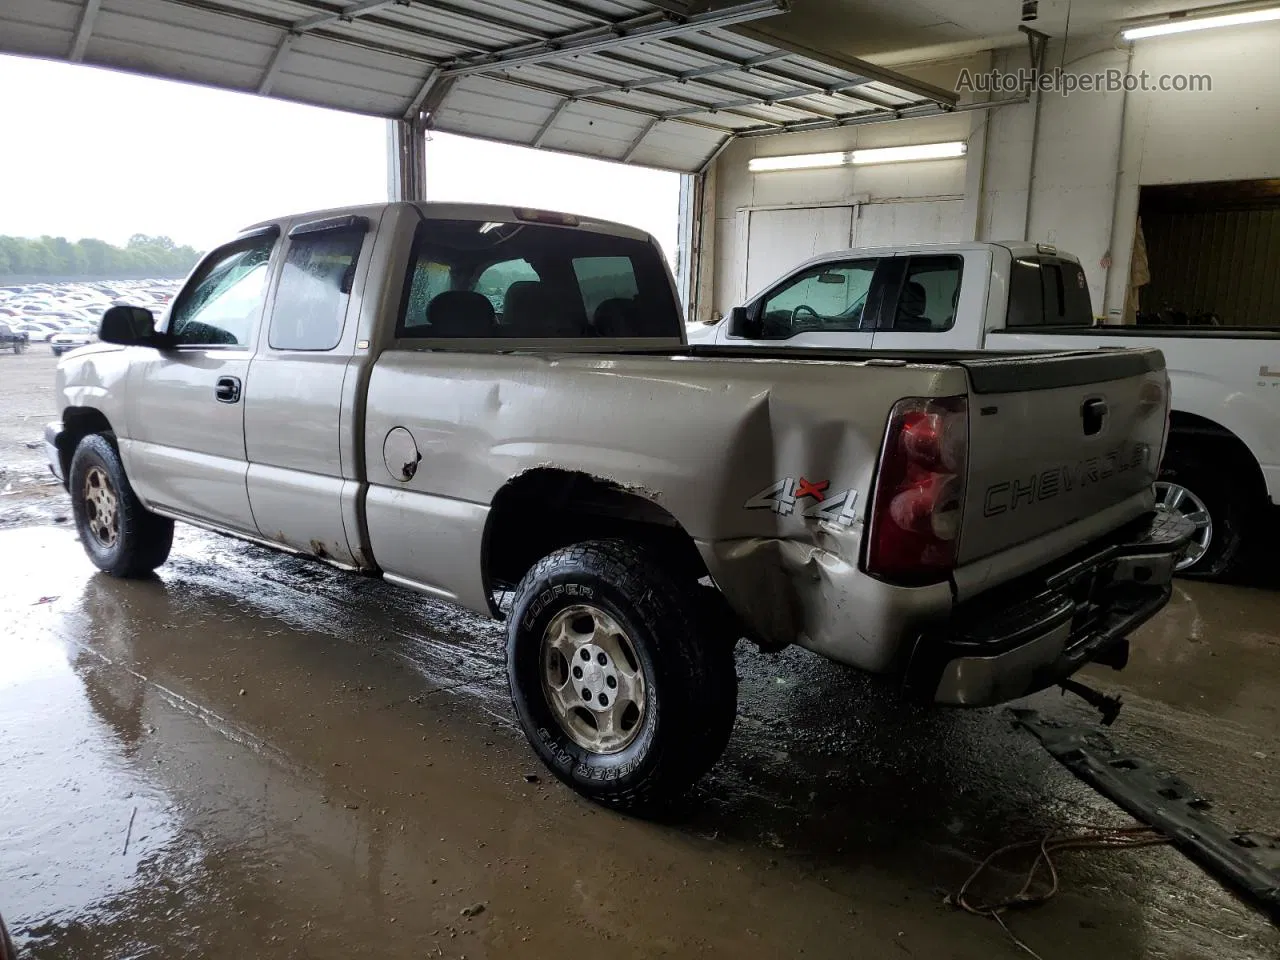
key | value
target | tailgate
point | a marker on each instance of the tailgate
(1055, 438)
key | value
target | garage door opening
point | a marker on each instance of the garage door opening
(1213, 250)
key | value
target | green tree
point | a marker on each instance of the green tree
(57, 256)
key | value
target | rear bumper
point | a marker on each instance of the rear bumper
(1040, 629)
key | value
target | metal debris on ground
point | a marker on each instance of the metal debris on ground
(1248, 862)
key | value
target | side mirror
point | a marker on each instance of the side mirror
(128, 326)
(738, 322)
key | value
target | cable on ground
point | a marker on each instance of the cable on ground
(1041, 883)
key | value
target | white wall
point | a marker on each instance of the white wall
(1232, 132)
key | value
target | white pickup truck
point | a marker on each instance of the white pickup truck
(1222, 465)
(470, 400)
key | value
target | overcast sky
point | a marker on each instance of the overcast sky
(92, 153)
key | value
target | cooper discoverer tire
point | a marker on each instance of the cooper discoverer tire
(120, 535)
(599, 633)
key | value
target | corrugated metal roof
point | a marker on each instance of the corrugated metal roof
(654, 82)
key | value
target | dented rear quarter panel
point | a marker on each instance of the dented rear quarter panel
(699, 437)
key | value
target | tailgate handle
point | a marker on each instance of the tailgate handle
(1093, 413)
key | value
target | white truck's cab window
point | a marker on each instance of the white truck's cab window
(825, 299)
(929, 295)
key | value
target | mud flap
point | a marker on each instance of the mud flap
(1247, 862)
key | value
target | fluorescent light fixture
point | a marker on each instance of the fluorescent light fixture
(815, 161)
(803, 161)
(1187, 24)
(920, 151)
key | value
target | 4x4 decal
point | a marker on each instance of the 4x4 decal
(784, 496)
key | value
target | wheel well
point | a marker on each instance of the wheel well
(548, 508)
(1190, 427)
(78, 423)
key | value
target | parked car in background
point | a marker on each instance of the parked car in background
(13, 338)
(343, 385)
(1222, 465)
(38, 330)
(72, 337)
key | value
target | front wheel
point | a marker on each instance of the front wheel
(19, 346)
(617, 691)
(120, 535)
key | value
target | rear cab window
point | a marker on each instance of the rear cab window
(1048, 292)
(534, 281)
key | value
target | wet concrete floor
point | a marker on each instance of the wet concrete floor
(252, 755)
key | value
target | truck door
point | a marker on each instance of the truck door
(184, 404)
(828, 305)
(299, 432)
(934, 302)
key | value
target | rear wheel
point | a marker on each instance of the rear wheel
(615, 686)
(1210, 488)
(120, 535)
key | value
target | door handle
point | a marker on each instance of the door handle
(227, 390)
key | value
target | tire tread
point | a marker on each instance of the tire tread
(699, 680)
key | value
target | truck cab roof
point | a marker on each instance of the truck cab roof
(460, 211)
(1020, 249)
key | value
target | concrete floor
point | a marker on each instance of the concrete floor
(252, 755)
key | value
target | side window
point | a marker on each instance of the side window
(929, 295)
(829, 298)
(224, 298)
(496, 280)
(315, 284)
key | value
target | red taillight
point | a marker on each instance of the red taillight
(919, 494)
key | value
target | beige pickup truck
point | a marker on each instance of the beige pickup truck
(472, 401)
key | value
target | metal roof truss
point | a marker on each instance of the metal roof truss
(655, 82)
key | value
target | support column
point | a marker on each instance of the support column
(407, 160)
(688, 231)
(975, 175)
